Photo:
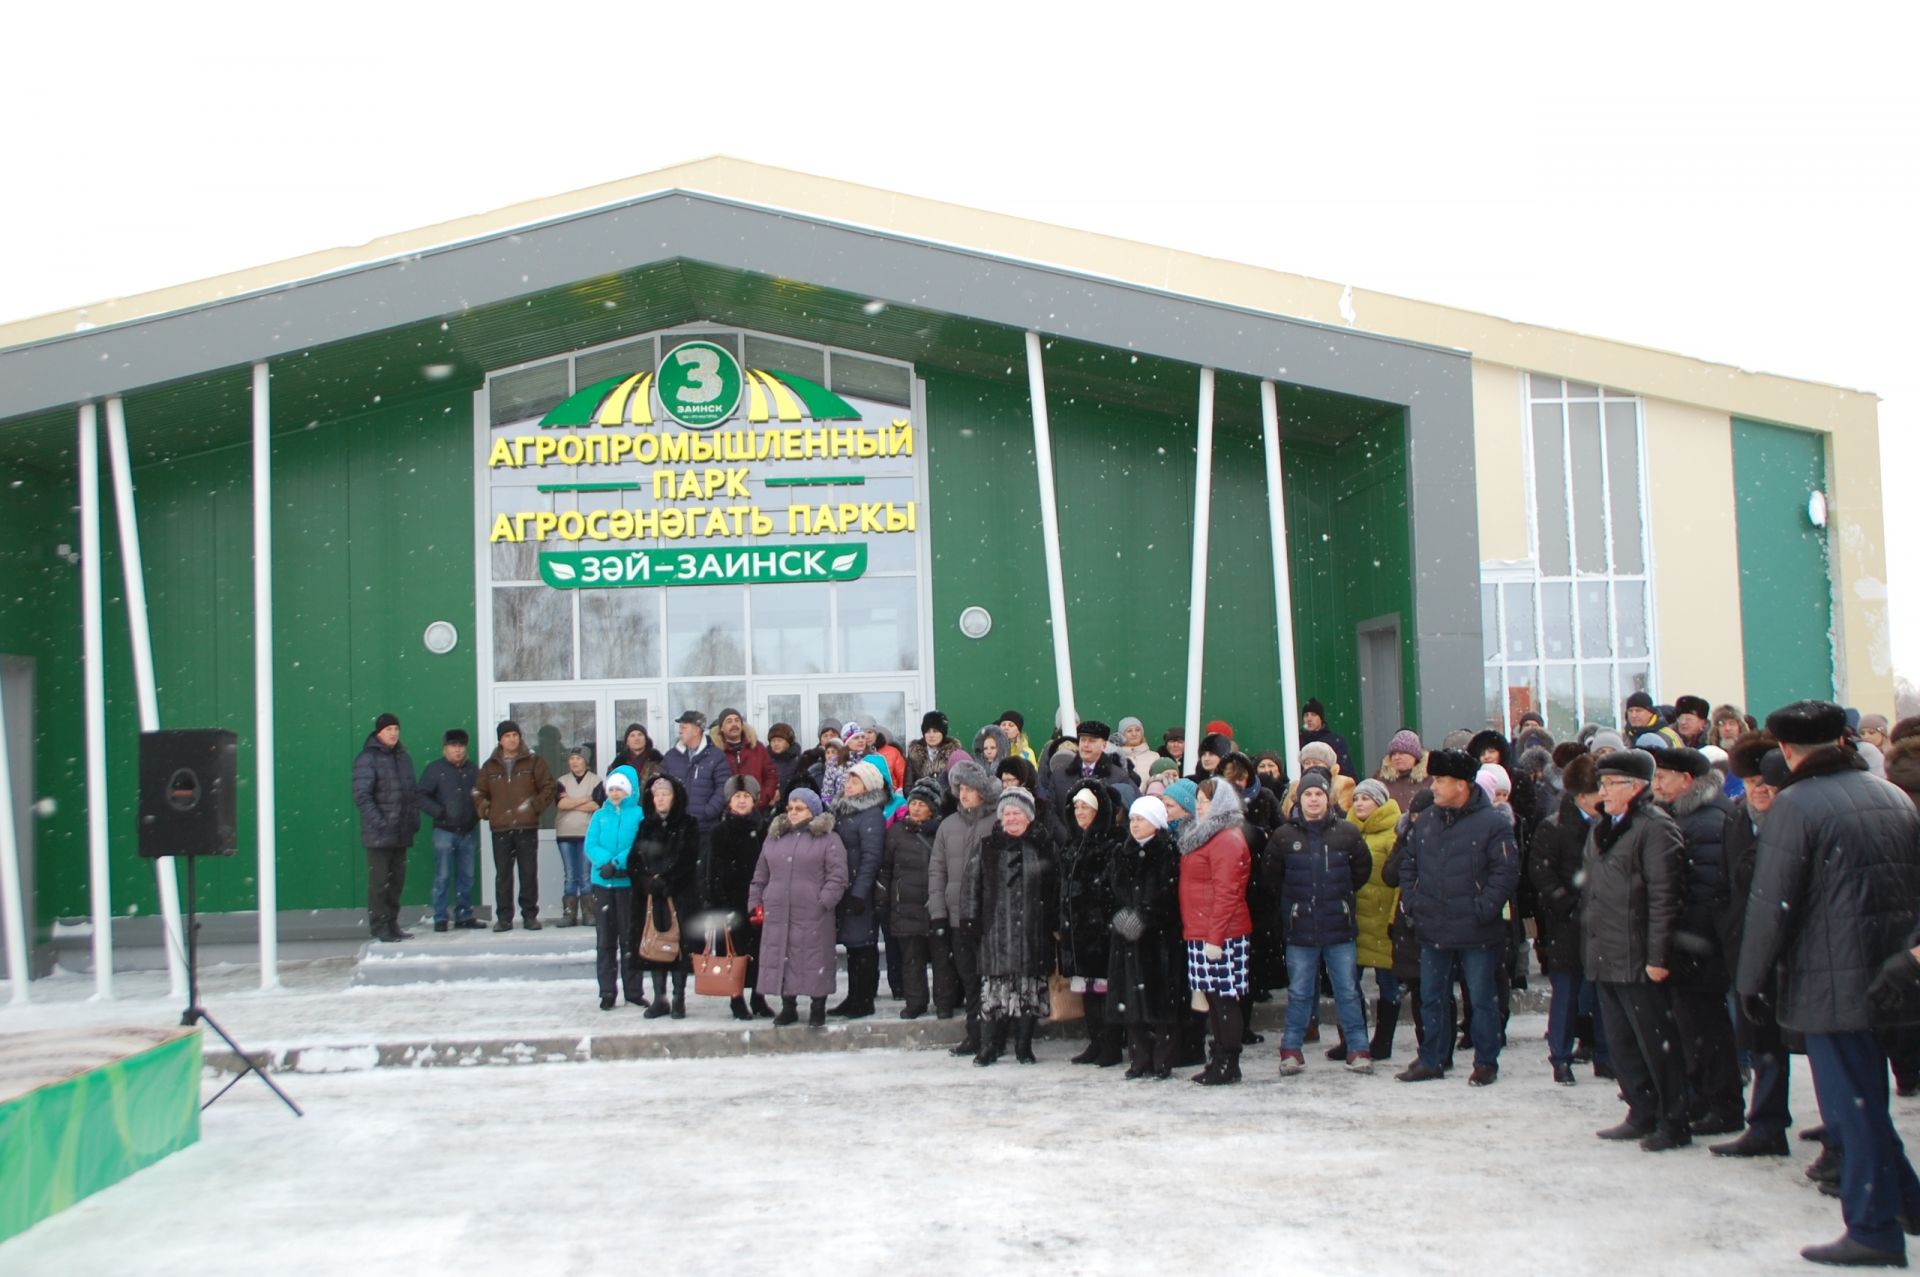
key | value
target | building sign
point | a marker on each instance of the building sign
(703, 448)
(756, 565)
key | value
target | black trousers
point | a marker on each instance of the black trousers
(1713, 1061)
(516, 848)
(617, 961)
(386, 878)
(966, 966)
(1644, 1041)
(947, 991)
(913, 968)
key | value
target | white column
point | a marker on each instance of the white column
(95, 687)
(263, 747)
(1282, 571)
(1197, 591)
(1050, 530)
(133, 571)
(12, 897)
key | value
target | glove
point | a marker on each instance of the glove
(856, 905)
(1896, 985)
(1758, 1006)
(1127, 924)
(938, 931)
(759, 916)
(1213, 952)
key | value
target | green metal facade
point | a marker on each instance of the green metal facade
(374, 538)
(1786, 583)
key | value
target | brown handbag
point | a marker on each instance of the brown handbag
(1063, 1003)
(657, 945)
(720, 975)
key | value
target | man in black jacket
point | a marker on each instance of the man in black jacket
(1091, 762)
(446, 795)
(1630, 909)
(1836, 891)
(1688, 789)
(383, 790)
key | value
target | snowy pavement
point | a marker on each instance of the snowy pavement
(913, 1162)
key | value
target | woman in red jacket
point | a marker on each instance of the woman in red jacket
(1214, 865)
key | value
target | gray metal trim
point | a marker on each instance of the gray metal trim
(1434, 384)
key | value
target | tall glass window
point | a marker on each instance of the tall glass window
(1569, 633)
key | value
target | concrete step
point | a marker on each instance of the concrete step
(431, 957)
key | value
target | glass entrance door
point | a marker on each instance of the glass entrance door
(807, 705)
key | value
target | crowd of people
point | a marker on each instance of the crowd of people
(1705, 893)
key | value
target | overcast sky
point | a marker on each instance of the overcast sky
(1739, 187)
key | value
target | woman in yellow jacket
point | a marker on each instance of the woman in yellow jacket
(1377, 815)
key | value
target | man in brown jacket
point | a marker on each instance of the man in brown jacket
(515, 786)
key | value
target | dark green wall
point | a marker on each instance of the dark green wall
(373, 539)
(1124, 481)
(1786, 586)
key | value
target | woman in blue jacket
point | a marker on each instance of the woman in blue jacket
(609, 835)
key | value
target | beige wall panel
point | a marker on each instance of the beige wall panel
(1864, 653)
(1499, 459)
(1696, 552)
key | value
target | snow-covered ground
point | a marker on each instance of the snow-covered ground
(913, 1162)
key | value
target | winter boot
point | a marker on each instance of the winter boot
(1023, 1041)
(1386, 1017)
(758, 1005)
(816, 1013)
(970, 1044)
(1095, 1004)
(1112, 1047)
(658, 1007)
(993, 1041)
(848, 1005)
(679, 994)
(570, 911)
(869, 986)
(739, 1008)
(1232, 1025)
(789, 1013)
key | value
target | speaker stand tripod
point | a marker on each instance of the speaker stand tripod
(197, 1014)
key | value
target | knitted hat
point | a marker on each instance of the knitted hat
(1313, 706)
(740, 782)
(1086, 796)
(1314, 780)
(454, 736)
(1405, 742)
(385, 721)
(934, 721)
(1173, 734)
(618, 779)
(1162, 766)
(1015, 796)
(1873, 722)
(1649, 741)
(1220, 727)
(1640, 700)
(850, 729)
(1636, 764)
(1151, 810)
(812, 800)
(870, 778)
(506, 725)
(1373, 789)
(1184, 794)
(1456, 763)
(1493, 778)
(1774, 770)
(730, 712)
(1456, 739)
(1012, 716)
(1807, 723)
(1606, 738)
(1130, 721)
(1531, 716)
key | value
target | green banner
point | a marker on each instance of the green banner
(757, 565)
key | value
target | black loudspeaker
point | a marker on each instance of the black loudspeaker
(187, 794)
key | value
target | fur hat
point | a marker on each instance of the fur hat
(739, 782)
(1173, 733)
(1216, 744)
(1774, 770)
(934, 720)
(1903, 766)
(1905, 728)
(1018, 771)
(1581, 775)
(1535, 760)
(802, 794)
(1318, 751)
(454, 736)
(1490, 739)
(1531, 716)
(1405, 742)
(1808, 723)
(1220, 727)
(1695, 705)
(506, 725)
(926, 790)
(1373, 789)
(781, 731)
(1015, 796)
(1747, 752)
(1565, 752)
(1454, 763)
(971, 774)
(1635, 764)
(1456, 739)
(870, 778)
(1093, 727)
(1691, 761)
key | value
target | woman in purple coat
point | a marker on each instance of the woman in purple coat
(800, 877)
